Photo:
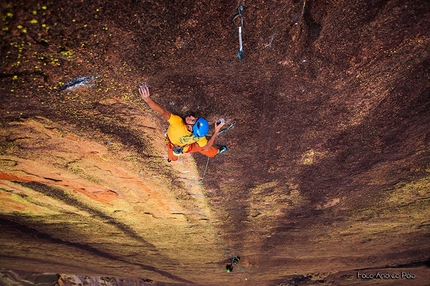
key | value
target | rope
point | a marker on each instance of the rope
(220, 239)
(204, 172)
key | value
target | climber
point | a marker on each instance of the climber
(185, 135)
(234, 260)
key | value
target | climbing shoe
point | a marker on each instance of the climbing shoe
(222, 149)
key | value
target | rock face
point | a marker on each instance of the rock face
(326, 178)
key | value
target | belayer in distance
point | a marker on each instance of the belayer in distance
(185, 135)
(234, 260)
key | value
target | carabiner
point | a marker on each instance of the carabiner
(239, 15)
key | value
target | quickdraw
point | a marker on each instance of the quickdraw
(240, 53)
(229, 127)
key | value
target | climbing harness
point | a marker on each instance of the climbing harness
(241, 53)
(177, 150)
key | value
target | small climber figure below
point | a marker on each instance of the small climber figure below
(234, 260)
(185, 135)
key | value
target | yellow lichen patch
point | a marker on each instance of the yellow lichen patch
(311, 157)
(37, 202)
(18, 199)
(10, 202)
(262, 187)
(411, 192)
(265, 196)
(294, 198)
(403, 211)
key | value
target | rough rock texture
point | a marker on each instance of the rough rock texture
(327, 172)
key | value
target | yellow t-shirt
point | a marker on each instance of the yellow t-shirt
(180, 136)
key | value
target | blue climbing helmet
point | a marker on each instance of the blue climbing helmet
(201, 127)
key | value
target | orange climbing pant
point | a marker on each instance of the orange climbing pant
(192, 148)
